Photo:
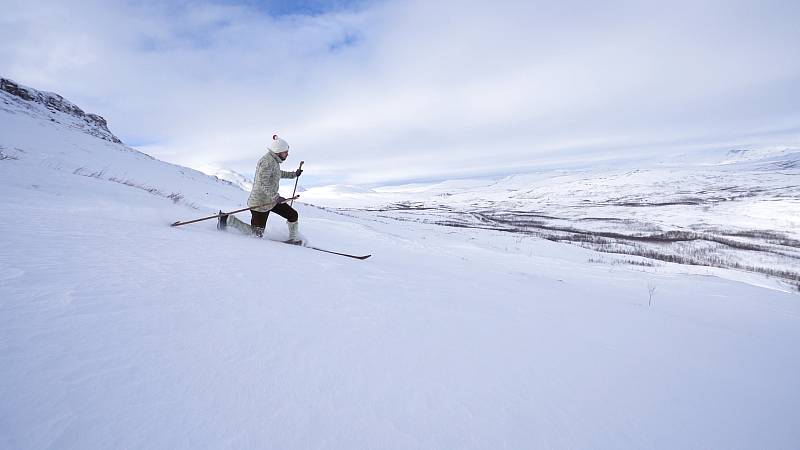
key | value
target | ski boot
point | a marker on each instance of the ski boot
(293, 238)
(222, 221)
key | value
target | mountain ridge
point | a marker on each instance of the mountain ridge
(43, 131)
(96, 125)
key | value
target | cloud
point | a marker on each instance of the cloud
(386, 91)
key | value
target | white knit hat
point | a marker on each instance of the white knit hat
(278, 145)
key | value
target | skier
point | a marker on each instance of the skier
(264, 196)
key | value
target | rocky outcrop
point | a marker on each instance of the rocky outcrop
(96, 125)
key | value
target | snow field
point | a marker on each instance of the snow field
(118, 331)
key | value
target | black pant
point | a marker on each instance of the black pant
(259, 219)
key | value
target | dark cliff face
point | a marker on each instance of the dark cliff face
(56, 102)
(14, 89)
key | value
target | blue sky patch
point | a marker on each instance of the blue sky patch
(298, 7)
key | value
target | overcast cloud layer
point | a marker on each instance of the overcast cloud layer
(370, 92)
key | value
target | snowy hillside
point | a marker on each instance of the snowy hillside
(118, 331)
(45, 137)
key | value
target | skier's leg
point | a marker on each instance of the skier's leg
(285, 211)
(234, 222)
(290, 214)
(258, 221)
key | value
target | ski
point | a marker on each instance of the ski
(361, 257)
(340, 254)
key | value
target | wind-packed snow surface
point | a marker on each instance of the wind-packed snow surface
(118, 331)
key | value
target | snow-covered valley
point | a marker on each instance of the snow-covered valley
(735, 209)
(119, 331)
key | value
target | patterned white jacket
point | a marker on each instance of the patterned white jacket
(267, 182)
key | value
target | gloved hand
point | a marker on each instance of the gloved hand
(279, 200)
(298, 172)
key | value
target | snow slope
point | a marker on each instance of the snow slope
(118, 331)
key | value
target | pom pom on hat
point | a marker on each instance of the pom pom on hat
(278, 145)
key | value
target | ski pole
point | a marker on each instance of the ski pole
(295, 184)
(179, 223)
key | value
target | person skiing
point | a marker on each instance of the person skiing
(264, 197)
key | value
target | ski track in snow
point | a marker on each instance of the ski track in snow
(118, 331)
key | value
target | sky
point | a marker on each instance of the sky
(383, 91)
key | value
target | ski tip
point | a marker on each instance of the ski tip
(175, 224)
